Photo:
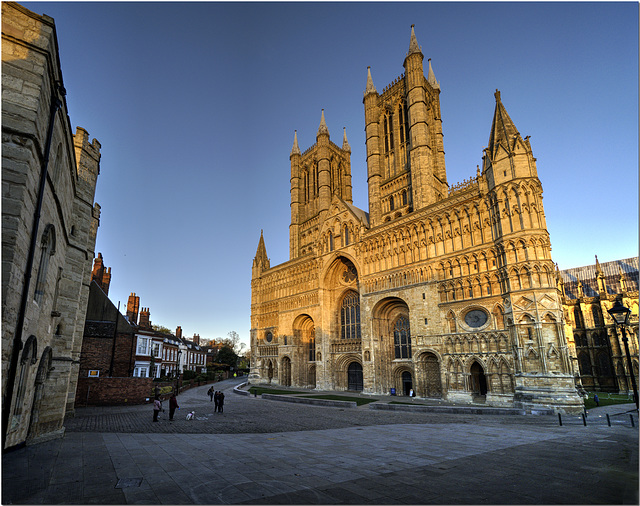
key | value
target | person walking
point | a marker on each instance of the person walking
(157, 406)
(173, 405)
(216, 400)
(220, 402)
(210, 394)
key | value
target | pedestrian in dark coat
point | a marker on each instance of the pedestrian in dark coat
(220, 402)
(210, 394)
(173, 405)
(216, 400)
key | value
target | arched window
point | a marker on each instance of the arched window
(330, 240)
(48, 248)
(346, 235)
(391, 207)
(596, 316)
(350, 316)
(312, 345)
(404, 198)
(402, 338)
(585, 364)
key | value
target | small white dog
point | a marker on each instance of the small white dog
(191, 415)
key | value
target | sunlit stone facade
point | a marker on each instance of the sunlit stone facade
(449, 290)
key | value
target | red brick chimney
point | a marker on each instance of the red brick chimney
(144, 318)
(196, 339)
(179, 332)
(100, 274)
(132, 308)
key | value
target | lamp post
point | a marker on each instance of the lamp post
(620, 315)
(178, 373)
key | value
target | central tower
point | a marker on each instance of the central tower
(405, 153)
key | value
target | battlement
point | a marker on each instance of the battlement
(393, 83)
(465, 184)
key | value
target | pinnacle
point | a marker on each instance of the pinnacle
(322, 129)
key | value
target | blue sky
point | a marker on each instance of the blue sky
(195, 105)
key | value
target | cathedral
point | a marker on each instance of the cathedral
(446, 290)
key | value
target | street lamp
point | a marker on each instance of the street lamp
(178, 373)
(620, 315)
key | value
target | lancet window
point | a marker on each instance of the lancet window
(402, 338)
(350, 316)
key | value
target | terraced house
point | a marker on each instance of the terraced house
(449, 290)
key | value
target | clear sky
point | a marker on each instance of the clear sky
(195, 105)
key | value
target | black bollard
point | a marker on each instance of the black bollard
(632, 424)
(584, 420)
(560, 419)
(608, 420)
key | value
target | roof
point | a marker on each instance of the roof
(611, 270)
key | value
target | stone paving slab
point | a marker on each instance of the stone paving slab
(368, 457)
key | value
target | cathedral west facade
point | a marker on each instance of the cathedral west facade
(449, 290)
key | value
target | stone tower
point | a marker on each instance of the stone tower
(405, 153)
(317, 175)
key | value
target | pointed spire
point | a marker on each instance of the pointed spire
(322, 129)
(261, 258)
(370, 87)
(345, 142)
(413, 43)
(431, 78)
(503, 129)
(295, 150)
(602, 286)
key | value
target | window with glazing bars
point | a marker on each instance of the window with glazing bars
(402, 338)
(350, 316)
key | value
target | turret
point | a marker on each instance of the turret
(372, 139)
(602, 286)
(508, 156)
(296, 196)
(324, 166)
(260, 261)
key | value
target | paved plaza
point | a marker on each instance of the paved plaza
(270, 452)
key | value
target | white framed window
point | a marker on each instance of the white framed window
(143, 346)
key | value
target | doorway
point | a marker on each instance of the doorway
(354, 376)
(407, 383)
(478, 380)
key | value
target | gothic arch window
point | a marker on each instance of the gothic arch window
(312, 344)
(585, 364)
(346, 235)
(48, 248)
(330, 240)
(577, 314)
(451, 323)
(350, 316)
(404, 197)
(596, 316)
(402, 338)
(391, 206)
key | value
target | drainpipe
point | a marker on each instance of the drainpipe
(7, 399)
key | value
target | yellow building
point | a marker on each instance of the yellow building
(447, 290)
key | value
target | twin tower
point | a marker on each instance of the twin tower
(405, 155)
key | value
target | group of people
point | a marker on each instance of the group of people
(217, 398)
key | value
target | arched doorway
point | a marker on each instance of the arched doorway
(407, 383)
(285, 372)
(478, 380)
(354, 377)
(431, 374)
(312, 376)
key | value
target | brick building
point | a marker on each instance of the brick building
(49, 227)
